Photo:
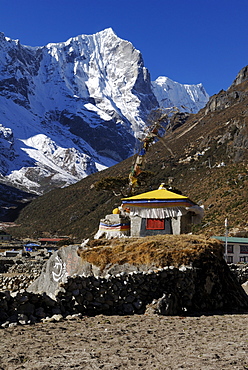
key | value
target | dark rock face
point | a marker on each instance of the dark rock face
(236, 93)
(224, 99)
(12, 200)
(228, 111)
(241, 77)
(178, 120)
(104, 138)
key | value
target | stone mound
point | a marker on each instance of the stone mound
(183, 273)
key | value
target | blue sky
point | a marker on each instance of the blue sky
(189, 41)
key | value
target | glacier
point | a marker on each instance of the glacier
(70, 109)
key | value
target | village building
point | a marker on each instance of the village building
(51, 244)
(4, 236)
(237, 248)
(155, 212)
(48, 241)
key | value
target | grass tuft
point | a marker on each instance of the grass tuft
(159, 251)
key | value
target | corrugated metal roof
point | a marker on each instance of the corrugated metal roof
(232, 239)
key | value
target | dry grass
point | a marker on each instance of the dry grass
(160, 250)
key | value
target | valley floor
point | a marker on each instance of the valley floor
(129, 342)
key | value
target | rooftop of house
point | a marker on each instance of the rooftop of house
(160, 198)
(160, 194)
(2, 232)
(50, 239)
(232, 239)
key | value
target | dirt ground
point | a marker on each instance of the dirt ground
(129, 342)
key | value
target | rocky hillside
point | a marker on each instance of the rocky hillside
(209, 164)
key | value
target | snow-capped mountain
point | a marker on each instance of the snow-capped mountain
(188, 98)
(72, 108)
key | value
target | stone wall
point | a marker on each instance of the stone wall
(166, 291)
(68, 286)
(18, 273)
(240, 271)
(128, 293)
(177, 290)
(16, 282)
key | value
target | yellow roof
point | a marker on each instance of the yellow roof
(157, 194)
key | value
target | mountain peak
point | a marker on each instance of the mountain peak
(74, 108)
(189, 98)
(107, 31)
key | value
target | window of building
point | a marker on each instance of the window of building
(229, 259)
(229, 248)
(243, 259)
(243, 249)
(154, 224)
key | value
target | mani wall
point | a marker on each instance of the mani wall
(68, 285)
